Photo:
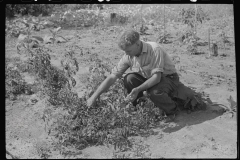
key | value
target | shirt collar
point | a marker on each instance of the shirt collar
(144, 47)
(144, 50)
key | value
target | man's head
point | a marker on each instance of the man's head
(130, 43)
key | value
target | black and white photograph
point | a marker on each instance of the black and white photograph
(120, 81)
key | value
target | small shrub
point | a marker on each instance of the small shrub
(191, 40)
(28, 9)
(188, 16)
(192, 49)
(14, 83)
(51, 78)
(163, 38)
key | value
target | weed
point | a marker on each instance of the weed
(163, 38)
(15, 84)
(42, 150)
(55, 33)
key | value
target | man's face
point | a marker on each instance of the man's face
(133, 50)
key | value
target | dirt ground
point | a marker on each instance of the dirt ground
(211, 133)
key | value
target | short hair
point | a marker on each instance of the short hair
(128, 38)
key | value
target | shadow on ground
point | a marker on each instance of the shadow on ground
(186, 117)
(183, 119)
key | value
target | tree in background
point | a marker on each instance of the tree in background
(190, 17)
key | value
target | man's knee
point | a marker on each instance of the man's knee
(159, 95)
(162, 100)
(156, 92)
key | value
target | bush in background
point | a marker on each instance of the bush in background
(188, 16)
(28, 9)
(44, 9)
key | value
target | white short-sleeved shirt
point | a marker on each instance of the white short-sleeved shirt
(152, 59)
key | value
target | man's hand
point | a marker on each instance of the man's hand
(132, 96)
(91, 102)
(104, 86)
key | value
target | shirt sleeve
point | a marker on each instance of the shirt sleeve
(157, 62)
(122, 66)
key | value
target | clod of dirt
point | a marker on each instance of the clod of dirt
(223, 55)
(33, 100)
(28, 91)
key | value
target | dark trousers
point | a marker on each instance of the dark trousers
(159, 93)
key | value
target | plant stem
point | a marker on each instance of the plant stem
(195, 19)
(76, 25)
(28, 39)
(54, 35)
(209, 41)
(141, 14)
(164, 19)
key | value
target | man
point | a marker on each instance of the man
(152, 71)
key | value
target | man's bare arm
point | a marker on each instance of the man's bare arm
(104, 86)
(150, 82)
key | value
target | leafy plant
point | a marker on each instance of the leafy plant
(138, 150)
(188, 16)
(70, 66)
(42, 150)
(189, 38)
(51, 78)
(163, 38)
(23, 25)
(81, 17)
(223, 38)
(54, 33)
(14, 82)
(14, 27)
(26, 42)
(31, 9)
(192, 45)
(39, 62)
